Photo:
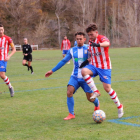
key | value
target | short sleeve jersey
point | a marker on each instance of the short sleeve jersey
(5, 41)
(100, 55)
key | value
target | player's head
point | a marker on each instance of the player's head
(25, 41)
(80, 38)
(92, 31)
(65, 37)
(1, 30)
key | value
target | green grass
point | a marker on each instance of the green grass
(37, 110)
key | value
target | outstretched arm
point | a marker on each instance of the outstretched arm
(59, 65)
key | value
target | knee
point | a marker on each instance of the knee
(83, 72)
(107, 88)
(89, 99)
(69, 93)
(2, 76)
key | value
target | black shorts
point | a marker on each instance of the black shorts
(28, 57)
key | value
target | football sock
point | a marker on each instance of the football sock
(70, 104)
(90, 82)
(114, 97)
(31, 68)
(26, 65)
(7, 82)
(96, 102)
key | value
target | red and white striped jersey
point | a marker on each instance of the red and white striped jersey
(65, 44)
(5, 41)
(99, 55)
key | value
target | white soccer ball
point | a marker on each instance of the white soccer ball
(99, 116)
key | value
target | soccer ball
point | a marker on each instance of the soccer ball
(99, 116)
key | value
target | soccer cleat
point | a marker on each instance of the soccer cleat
(97, 107)
(70, 116)
(32, 72)
(95, 94)
(68, 62)
(120, 111)
(11, 91)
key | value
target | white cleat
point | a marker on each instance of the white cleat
(120, 112)
(95, 95)
(11, 91)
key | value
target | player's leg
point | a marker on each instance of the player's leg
(63, 53)
(29, 64)
(114, 97)
(105, 78)
(7, 82)
(94, 101)
(71, 89)
(87, 72)
(70, 102)
(89, 93)
(24, 63)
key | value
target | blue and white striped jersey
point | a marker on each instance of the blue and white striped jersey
(78, 55)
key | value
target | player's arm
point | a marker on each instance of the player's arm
(69, 44)
(13, 51)
(61, 45)
(60, 64)
(23, 50)
(104, 42)
(30, 50)
(86, 62)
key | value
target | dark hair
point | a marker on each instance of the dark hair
(1, 25)
(91, 27)
(80, 33)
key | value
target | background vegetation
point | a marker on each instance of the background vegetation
(45, 22)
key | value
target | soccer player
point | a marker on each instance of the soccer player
(65, 46)
(78, 54)
(5, 41)
(27, 52)
(100, 64)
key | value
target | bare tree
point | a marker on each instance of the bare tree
(22, 13)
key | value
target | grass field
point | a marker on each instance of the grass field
(37, 110)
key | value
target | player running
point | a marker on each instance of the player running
(27, 52)
(5, 41)
(65, 46)
(100, 64)
(78, 54)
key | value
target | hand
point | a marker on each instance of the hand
(94, 44)
(26, 54)
(49, 73)
(7, 58)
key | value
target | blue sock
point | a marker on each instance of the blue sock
(96, 102)
(70, 104)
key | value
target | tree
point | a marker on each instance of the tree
(22, 15)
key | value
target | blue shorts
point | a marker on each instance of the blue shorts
(78, 82)
(3, 66)
(65, 51)
(104, 74)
